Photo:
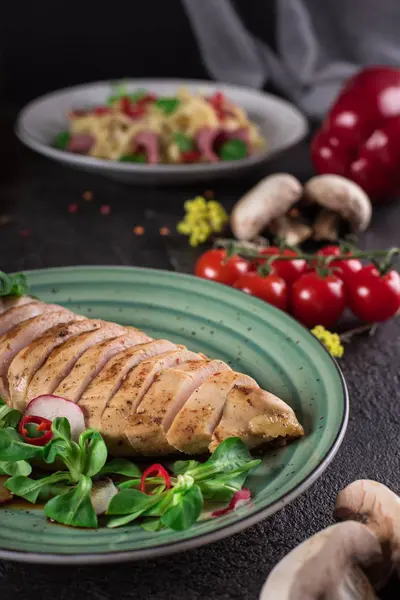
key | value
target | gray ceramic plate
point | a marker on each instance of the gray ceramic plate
(254, 338)
(39, 123)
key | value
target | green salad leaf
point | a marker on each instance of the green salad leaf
(73, 508)
(62, 140)
(167, 105)
(13, 285)
(140, 157)
(234, 149)
(184, 142)
(29, 489)
(9, 417)
(21, 467)
(185, 509)
(94, 452)
(14, 449)
(121, 466)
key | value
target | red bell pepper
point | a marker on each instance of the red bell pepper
(360, 137)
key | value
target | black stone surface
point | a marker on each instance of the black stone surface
(35, 193)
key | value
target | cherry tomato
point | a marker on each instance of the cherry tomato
(344, 269)
(271, 288)
(374, 297)
(317, 300)
(212, 265)
(289, 270)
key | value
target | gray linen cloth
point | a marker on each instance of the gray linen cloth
(320, 43)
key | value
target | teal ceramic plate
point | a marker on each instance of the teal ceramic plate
(254, 338)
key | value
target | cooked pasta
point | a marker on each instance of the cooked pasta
(141, 127)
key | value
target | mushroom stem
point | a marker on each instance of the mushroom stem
(272, 197)
(290, 229)
(376, 506)
(328, 565)
(326, 226)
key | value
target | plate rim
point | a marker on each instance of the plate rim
(34, 143)
(169, 548)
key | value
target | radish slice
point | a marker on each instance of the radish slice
(238, 498)
(50, 407)
(102, 493)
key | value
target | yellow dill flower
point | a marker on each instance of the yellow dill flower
(330, 340)
(202, 219)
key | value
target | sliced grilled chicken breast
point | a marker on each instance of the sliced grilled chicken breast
(133, 388)
(9, 302)
(63, 358)
(16, 315)
(93, 360)
(96, 397)
(146, 433)
(193, 426)
(23, 334)
(31, 358)
(255, 416)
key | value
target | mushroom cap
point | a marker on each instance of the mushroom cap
(378, 507)
(272, 197)
(343, 196)
(325, 566)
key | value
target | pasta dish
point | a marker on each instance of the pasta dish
(145, 128)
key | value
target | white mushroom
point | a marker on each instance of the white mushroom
(340, 199)
(266, 204)
(328, 565)
(378, 508)
(102, 493)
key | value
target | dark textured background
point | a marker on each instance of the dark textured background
(35, 193)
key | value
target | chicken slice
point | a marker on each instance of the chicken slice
(9, 302)
(146, 431)
(256, 417)
(31, 358)
(23, 334)
(16, 315)
(134, 387)
(63, 358)
(96, 397)
(193, 426)
(93, 360)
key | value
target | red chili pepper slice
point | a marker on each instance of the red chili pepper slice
(132, 110)
(101, 110)
(190, 156)
(155, 470)
(147, 99)
(42, 425)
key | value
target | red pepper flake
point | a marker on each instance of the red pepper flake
(73, 207)
(25, 232)
(105, 209)
(209, 194)
(240, 496)
(164, 231)
(43, 426)
(155, 470)
(88, 196)
(190, 156)
(138, 230)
